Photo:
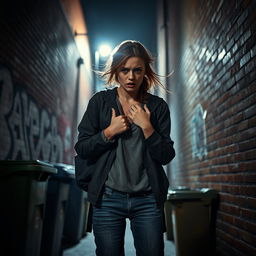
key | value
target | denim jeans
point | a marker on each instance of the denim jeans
(109, 222)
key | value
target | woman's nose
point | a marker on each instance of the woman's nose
(131, 74)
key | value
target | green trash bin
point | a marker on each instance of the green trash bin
(76, 212)
(23, 186)
(56, 206)
(87, 209)
(189, 220)
(168, 215)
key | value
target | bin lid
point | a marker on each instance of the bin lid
(9, 167)
(189, 194)
(65, 170)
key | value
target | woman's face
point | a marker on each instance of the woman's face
(130, 74)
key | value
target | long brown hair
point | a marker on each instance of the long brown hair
(119, 56)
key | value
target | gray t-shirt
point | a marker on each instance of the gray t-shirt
(128, 173)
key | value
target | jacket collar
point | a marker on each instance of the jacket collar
(111, 94)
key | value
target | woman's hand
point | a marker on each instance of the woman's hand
(119, 124)
(141, 117)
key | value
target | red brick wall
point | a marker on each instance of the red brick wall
(39, 81)
(213, 104)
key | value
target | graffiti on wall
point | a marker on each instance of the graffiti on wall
(199, 144)
(27, 131)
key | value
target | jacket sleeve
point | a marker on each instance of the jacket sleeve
(91, 144)
(159, 144)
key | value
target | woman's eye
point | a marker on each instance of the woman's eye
(127, 70)
(137, 70)
(124, 70)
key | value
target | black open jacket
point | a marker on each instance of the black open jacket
(95, 156)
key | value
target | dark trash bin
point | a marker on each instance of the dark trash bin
(168, 215)
(76, 213)
(23, 186)
(85, 225)
(56, 205)
(189, 216)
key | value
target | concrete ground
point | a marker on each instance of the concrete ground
(86, 247)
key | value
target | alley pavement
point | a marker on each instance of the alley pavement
(86, 247)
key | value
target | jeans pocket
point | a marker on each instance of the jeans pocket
(107, 192)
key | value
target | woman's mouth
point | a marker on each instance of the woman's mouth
(131, 85)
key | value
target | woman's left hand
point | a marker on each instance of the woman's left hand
(141, 117)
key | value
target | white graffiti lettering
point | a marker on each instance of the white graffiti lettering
(27, 132)
(199, 144)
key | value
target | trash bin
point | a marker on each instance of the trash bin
(168, 214)
(23, 186)
(191, 217)
(76, 213)
(56, 205)
(87, 210)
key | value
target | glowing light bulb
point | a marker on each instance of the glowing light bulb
(104, 50)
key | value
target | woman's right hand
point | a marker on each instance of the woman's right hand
(119, 124)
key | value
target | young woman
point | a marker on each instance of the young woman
(124, 139)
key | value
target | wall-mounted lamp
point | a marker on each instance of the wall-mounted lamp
(80, 61)
(80, 34)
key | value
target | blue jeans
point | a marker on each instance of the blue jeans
(109, 222)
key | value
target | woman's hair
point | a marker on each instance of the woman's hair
(120, 55)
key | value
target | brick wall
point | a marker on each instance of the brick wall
(213, 104)
(40, 79)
